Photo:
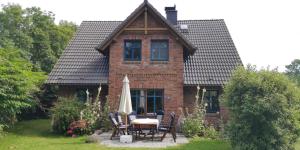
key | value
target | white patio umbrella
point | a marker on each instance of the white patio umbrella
(125, 106)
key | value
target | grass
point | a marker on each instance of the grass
(35, 134)
(297, 145)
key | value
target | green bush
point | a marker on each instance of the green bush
(1, 130)
(64, 113)
(96, 115)
(105, 122)
(211, 132)
(192, 127)
(91, 113)
(263, 109)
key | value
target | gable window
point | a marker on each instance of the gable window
(132, 50)
(211, 98)
(159, 50)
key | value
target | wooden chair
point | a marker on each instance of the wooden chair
(170, 128)
(117, 129)
(131, 117)
(160, 116)
(119, 118)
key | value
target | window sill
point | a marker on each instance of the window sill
(131, 62)
(159, 62)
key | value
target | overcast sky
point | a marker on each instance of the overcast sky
(265, 32)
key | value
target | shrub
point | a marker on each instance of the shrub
(211, 132)
(194, 124)
(105, 122)
(263, 106)
(91, 113)
(96, 115)
(1, 130)
(192, 127)
(77, 128)
(64, 113)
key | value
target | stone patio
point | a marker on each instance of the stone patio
(143, 141)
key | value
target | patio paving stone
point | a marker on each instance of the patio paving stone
(143, 142)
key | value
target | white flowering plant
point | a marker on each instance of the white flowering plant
(96, 114)
(92, 113)
(194, 124)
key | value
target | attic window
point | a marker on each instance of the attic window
(184, 28)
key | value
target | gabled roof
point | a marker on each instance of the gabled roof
(80, 63)
(216, 56)
(212, 63)
(138, 11)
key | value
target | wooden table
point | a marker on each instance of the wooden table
(153, 123)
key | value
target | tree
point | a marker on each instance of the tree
(264, 110)
(30, 42)
(18, 83)
(293, 71)
(35, 33)
(14, 27)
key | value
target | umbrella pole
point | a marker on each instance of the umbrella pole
(126, 123)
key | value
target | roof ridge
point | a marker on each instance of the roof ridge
(201, 20)
(101, 21)
(178, 20)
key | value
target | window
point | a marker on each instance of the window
(132, 50)
(154, 100)
(159, 50)
(146, 101)
(211, 98)
(135, 99)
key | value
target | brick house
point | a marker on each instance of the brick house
(165, 60)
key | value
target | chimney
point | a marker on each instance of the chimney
(171, 13)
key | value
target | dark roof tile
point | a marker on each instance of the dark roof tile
(212, 63)
(80, 63)
(216, 56)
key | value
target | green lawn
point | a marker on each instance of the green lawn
(297, 146)
(30, 135)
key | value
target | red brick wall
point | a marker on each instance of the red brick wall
(151, 75)
(146, 74)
